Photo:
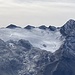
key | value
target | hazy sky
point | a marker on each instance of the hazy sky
(36, 12)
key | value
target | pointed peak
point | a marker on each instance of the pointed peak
(71, 21)
(42, 27)
(25, 43)
(68, 27)
(29, 27)
(12, 26)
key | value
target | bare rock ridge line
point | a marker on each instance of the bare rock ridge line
(12, 26)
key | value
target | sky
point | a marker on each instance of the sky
(36, 12)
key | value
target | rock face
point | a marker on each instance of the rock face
(64, 63)
(25, 44)
(68, 27)
(52, 28)
(21, 58)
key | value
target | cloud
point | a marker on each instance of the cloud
(67, 1)
(23, 12)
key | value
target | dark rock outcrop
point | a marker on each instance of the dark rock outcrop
(21, 58)
(43, 27)
(25, 44)
(68, 27)
(12, 26)
(29, 27)
(52, 28)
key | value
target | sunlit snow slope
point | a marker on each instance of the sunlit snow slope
(43, 39)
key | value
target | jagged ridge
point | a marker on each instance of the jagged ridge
(21, 58)
(65, 57)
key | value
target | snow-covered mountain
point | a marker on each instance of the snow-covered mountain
(64, 63)
(38, 50)
(39, 37)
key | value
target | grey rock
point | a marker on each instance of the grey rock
(29, 27)
(67, 28)
(12, 26)
(52, 28)
(43, 27)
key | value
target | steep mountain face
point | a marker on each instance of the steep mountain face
(21, 58)
(43, 27)
(38, 50)
(52, 28)
(29, 27)
(67, 28)
(64, 63)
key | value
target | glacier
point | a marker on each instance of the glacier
(40, 38)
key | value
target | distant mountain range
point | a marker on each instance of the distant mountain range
(12, 26)
(38, 50)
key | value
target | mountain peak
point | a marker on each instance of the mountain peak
(68, 27)
(12, 26)
(71, 21)
(42, 27)
(29, 27)
(25, 44)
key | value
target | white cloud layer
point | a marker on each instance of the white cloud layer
(36, 12)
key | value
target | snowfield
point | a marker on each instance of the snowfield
(43, 39)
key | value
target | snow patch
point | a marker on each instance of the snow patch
(43, 39)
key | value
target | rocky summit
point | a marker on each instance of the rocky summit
(38, 50)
